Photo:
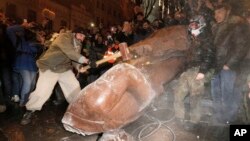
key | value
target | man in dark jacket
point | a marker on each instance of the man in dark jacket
(56, 66)
(127, 34)
(191, 82)
(243, 80)
(7, 57)
(248, 60)
(231, 41)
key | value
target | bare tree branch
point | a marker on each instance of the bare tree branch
(149, 5)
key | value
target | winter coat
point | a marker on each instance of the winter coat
(26, 50)
(7, 50)
(128, 38)
(58, 58)
(231, 42)
(202, 51)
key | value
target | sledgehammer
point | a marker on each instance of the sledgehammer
(124, 53)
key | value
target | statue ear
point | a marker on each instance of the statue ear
(144, 50)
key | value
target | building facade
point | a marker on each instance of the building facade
(68, 13)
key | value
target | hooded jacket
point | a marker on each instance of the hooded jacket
(202, 51)
(58, 58)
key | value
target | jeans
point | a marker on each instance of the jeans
(28, 84)
(226, 96)
(16, 83)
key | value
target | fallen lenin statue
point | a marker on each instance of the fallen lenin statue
(121, 95)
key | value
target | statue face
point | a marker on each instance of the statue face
(248, 19)
(221, 14)
(126, 27)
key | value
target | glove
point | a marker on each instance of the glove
(92, 64)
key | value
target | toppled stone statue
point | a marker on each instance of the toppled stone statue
(120, 95)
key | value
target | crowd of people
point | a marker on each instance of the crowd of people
(219, 59)
(31, 56)
(31, 53)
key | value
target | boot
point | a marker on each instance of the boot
(27, 117)
(59, 96)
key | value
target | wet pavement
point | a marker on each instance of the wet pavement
(45, 126)
(160, 124)
(157, 124)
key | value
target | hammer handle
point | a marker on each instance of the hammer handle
(116, 55)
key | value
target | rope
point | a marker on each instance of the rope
(159, 124)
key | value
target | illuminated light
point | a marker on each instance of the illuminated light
(92, 24)
(100, 100)
(107, 54)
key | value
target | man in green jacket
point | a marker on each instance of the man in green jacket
(56, 66)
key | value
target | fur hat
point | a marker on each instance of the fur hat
(79, 30)
(48, 14)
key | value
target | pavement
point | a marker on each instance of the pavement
(157, 124)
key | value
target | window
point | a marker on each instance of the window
(103, 7)
(97, 4)
(114, 13)
(31, 16)
(75, 26)
(109, 11)
(11, 11)
(63, 23)
(97, 20)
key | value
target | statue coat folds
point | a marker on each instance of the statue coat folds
(120, 95)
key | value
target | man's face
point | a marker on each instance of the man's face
(139, 17)
(126, 27)
(220, 15)
(248, 19)
(40, 36)
(99, 39)
(145, 25)
(80, 37)
(193, 25)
